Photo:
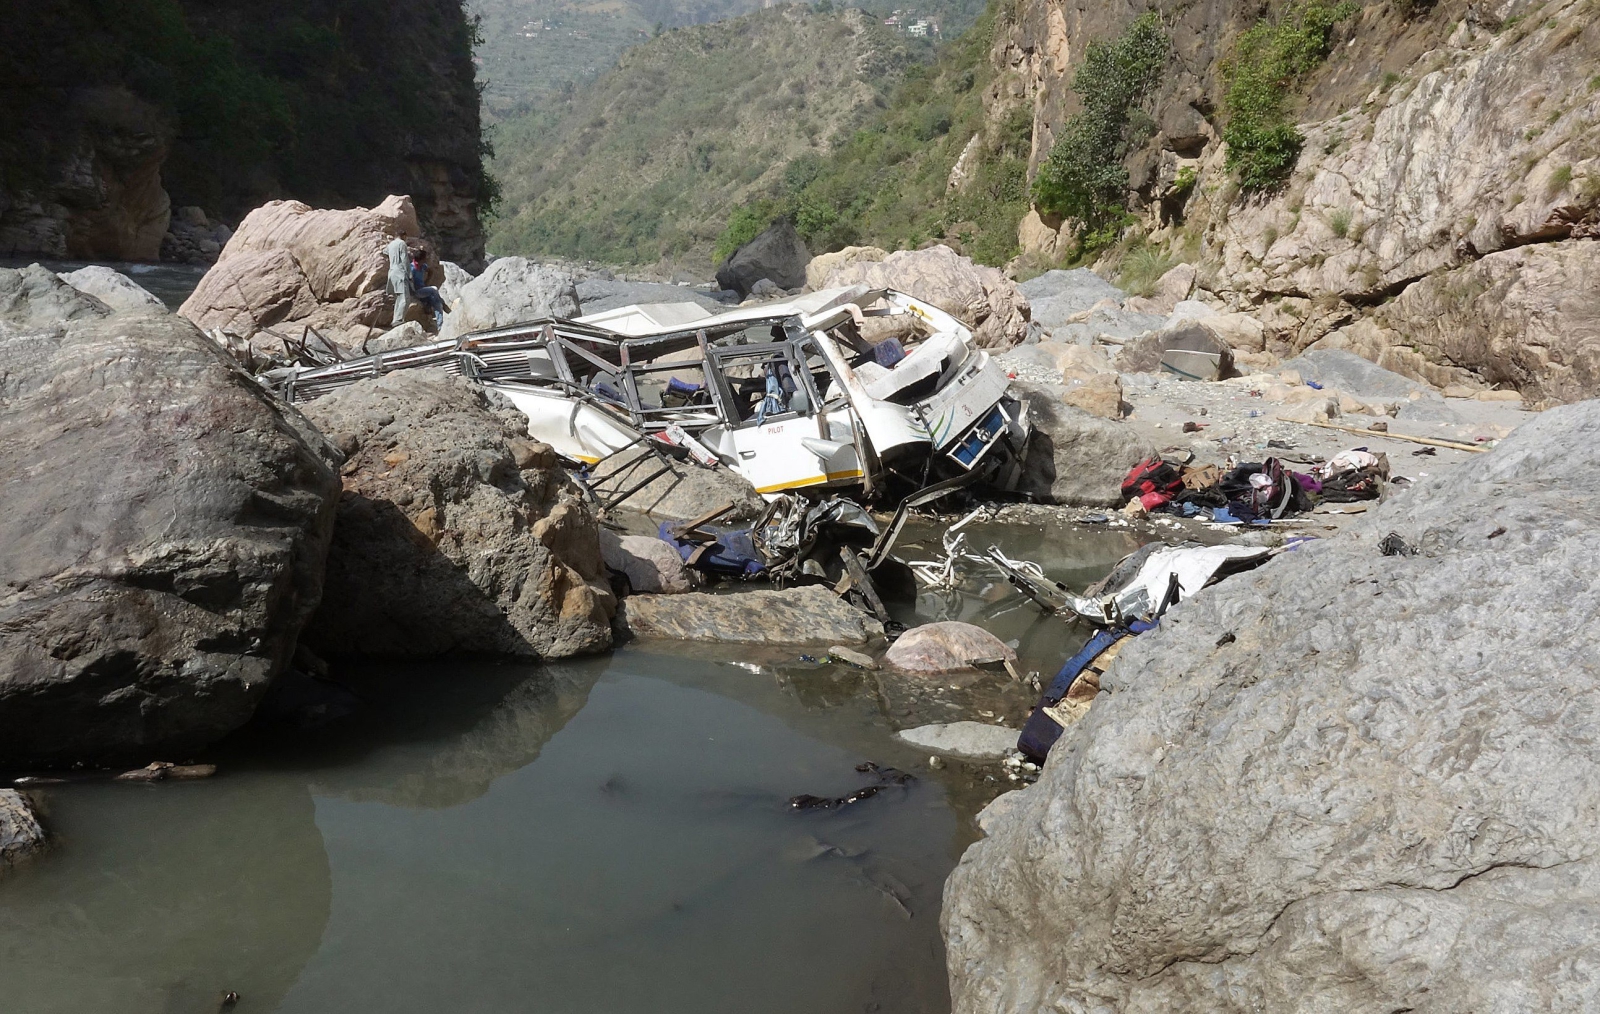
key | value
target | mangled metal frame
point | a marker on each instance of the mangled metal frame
(559, 372)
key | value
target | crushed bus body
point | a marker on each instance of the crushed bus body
(840, 388)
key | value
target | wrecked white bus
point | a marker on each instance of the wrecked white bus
(841, 388)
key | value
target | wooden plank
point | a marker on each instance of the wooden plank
(1452, 444)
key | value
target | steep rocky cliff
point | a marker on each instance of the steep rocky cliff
(116, 113)
(1441, 214)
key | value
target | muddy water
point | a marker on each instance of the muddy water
(613, 835)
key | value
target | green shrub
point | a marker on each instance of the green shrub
(744, 225)
(1560, 178)
(1084, 178)
(1267, 62)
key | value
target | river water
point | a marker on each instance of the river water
(608, 835)
(170, 283)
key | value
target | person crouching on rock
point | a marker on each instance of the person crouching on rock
(427, 295)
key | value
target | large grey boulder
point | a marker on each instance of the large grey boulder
(33, 299)
(1345, 781)
(984, 299)
(290, 267)
(1085, 329)
(1059, 297)
(456, 534)
(1075, 457)
(1352, 374)
(163, 538)
(510, 291)
(596, 295)
(778, 255)
(808, 615)
(114, 289)
(1187, 345)
(21, 834)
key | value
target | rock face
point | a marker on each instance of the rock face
(92, 183)
(1527, 318)
(1074, 457)
(115, 289)
(511, 290)
(164, 540)
(456, 534)
(778, 255)
(290, 266)
(1375, 795)
(822, 265)
(1440, 217)
(983, 298)
(808, 615)
(21, 834)
(946, 647)
(209, 101)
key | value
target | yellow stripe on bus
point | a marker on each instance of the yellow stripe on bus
(829, 477)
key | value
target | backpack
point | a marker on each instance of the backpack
(1265, 490)
(1152, 478)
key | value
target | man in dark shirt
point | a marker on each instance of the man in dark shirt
(427, 295)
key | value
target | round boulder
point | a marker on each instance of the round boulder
(947, 646)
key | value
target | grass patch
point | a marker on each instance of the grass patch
(1141, 268)
(1267, 64)
(1339, 222)
(1560, 178)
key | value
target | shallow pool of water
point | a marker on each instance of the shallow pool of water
(608, 835)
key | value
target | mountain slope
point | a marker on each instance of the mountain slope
(644, 165)
(531, 49)
(945, 159)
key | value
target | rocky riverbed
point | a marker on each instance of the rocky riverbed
(208, 582)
